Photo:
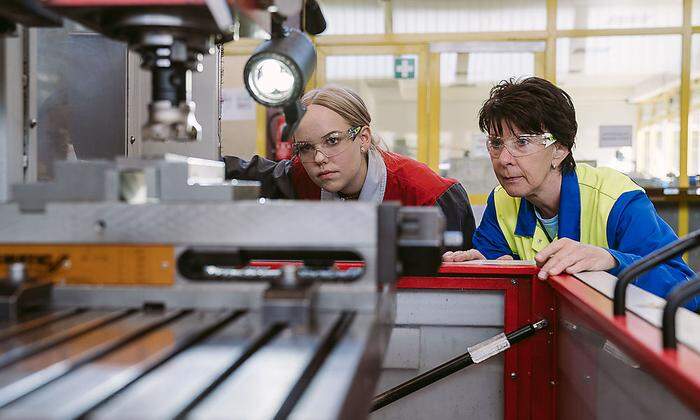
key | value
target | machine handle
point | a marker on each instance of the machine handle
(193, 262)
(678, 296)
(659, 256)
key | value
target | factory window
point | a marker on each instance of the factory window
(389, 86)
(467, 73)
(694, 116)
(696, 13)
(345, 17)
(625, 89)
(605, 14)
(419, 16)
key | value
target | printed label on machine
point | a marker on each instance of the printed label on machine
(491, 347)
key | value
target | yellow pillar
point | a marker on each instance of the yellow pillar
(683, 217)
(434, 112)
(551, 44)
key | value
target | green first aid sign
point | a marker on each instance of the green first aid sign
(404, 68)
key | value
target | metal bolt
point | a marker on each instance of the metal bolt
(513, 375)
(587, 378)
(514, 282)
(33, 123)
(552, 383)
(100, 226)
(132, 139)
(67, 264)
(164, 264)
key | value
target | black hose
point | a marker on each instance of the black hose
(451, 366)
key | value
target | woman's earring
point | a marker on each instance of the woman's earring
(554, 165)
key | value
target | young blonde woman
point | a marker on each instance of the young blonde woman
(336, 158)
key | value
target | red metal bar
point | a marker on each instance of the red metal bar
(458, 270)
(240, 4)
(454, 283)
(678, 369)
(279, 264)
(513, 361)
(113, 3)
(471, 269)
(543, 350)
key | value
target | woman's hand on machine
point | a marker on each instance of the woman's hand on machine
(468, 255)
(567, 255)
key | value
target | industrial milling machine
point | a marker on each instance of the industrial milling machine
(145, 288)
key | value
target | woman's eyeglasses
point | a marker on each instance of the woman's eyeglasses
(520, 145)
(330, 145)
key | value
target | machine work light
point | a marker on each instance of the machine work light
(277, 72)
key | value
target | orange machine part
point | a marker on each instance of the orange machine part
(150, 265)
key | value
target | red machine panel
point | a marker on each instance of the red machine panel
(529, 372)
(588, 364)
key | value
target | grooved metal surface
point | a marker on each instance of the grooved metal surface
(258, 388)
(232, 363)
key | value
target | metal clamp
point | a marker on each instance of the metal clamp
(643, 265)
(678, 296)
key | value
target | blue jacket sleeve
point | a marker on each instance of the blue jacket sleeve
(488, 238)
(634, 230)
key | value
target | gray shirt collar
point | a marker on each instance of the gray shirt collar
(375, 183)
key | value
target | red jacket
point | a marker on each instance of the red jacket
(407, 180)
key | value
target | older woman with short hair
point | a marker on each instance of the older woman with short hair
(567, 217)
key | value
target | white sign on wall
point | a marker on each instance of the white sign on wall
(615, 135)
(237, 105)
